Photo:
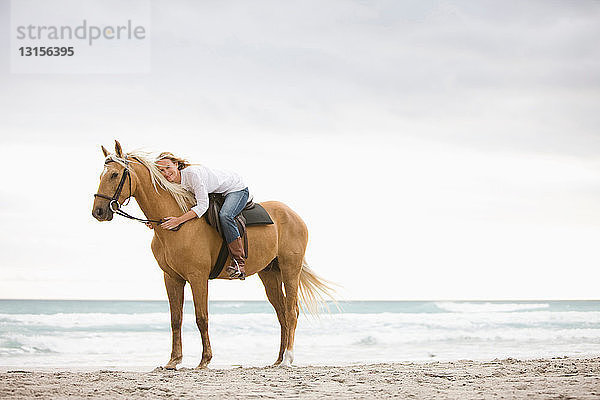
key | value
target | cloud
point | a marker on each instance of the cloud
(472, 125)
(349, 67)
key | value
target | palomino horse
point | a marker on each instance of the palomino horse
(276, 252)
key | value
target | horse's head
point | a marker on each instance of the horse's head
(116, 184)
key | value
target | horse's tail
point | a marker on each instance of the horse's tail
(313, 291)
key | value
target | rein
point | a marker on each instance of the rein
(114, 204)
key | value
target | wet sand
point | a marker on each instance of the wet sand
(557, 378)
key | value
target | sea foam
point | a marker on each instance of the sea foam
(375, 332)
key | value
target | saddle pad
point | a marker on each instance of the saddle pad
(256, 215)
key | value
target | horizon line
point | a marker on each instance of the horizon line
(327, 301)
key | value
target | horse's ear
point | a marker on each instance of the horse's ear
(118, 149)
(106, 152)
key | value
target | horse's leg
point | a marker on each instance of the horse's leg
(272, 281)
(200, 293)
(290, 267)
(175, 293)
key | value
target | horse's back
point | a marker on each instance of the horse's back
(282, 214)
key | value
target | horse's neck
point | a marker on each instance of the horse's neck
(158, 204)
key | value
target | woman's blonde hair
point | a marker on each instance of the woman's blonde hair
(181, 162)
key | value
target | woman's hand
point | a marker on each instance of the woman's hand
(149, 225)
(171, 222)
(174, 222)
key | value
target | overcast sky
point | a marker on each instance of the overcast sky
(435, 149)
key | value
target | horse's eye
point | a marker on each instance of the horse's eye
(114, 175)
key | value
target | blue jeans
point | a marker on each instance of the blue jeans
(233, 205)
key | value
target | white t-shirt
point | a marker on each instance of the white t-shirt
(202, 180)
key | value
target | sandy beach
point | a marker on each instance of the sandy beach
(557, 378)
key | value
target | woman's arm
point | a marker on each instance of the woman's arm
(173, 222)
(201, 195)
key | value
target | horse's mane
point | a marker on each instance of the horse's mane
(184, 198)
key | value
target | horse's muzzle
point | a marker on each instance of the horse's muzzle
(102, 213)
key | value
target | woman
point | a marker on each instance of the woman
(201, 181)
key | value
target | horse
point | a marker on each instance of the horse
(275, 252)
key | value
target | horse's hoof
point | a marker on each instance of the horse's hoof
(288, 358)
(172, 364)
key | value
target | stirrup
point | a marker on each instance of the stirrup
(235, 272)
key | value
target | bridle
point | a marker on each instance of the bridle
(114, 204)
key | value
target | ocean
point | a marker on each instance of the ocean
(136, 334)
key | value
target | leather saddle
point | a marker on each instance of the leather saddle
(252, 214)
